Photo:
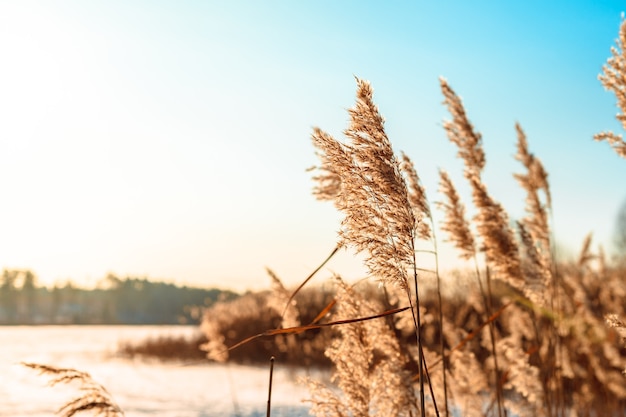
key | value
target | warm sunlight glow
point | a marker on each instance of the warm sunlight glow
(171, 141)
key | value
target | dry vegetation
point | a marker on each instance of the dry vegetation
(93, 396)
(525, 336)
(530, 337)
(175, 348)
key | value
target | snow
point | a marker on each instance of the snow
(141, 388)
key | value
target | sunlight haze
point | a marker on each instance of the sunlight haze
(171, 139)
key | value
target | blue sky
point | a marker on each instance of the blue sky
(170, 139)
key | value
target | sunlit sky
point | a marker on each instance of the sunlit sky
(170, 139)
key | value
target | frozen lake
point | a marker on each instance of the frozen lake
(141, 388)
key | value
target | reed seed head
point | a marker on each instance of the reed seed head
(373, 195)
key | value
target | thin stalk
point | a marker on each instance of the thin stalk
(487, 299)
(417, 324)
(269, 393)
(501, 410)
(441, 344)
(417, 321)
(556, 285)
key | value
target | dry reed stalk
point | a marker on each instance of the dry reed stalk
(534, 231)
(541, 285)
(269, 390)
(459, 231)
(94, 397)
(373, 195)
(613, 78)
(426, 231)
(498, 242)
(534, 181)
(375, 199)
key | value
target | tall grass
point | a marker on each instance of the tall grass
(528, 337)
(521, 335)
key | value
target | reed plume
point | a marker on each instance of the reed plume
(533, 267)
(368, 187)
(535, 181)
(491, 220)
(94, 397)
(375, 200)
(461, 132)
(534, 229)
(613, 78)
(417, 198)
(492, 223)
(454, 223)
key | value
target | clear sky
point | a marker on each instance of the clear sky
(169, 139)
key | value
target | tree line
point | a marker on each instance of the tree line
(114, 301)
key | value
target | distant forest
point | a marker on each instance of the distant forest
(113, 301)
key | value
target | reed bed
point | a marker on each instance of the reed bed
(165, 348)
(529, 336)
(522, 334)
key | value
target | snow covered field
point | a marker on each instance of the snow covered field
(141, 388)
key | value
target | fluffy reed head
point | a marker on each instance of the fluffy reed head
(498, 240)
(364, 179)
(534, 229)
(455, 224)
(94, 397)
(417, 198)
(461, 132)
(492, 223)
